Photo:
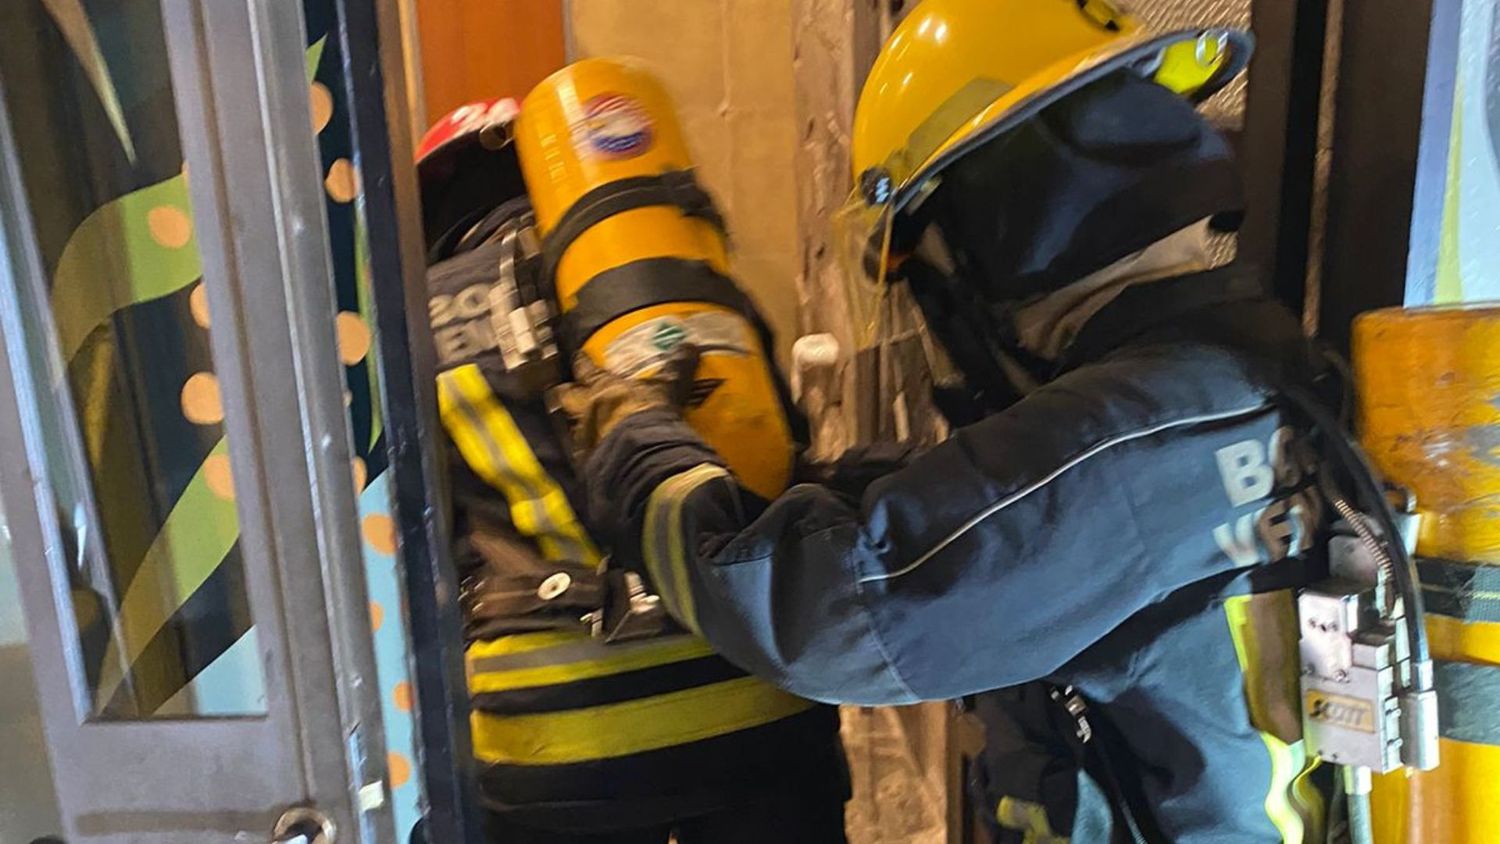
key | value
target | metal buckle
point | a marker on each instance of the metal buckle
(1077, 709)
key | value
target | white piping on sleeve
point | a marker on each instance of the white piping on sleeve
(1019, 494)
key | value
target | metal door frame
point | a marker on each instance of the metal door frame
(376, 74)
(242, 101)
(1279, 145)
(1393, 112)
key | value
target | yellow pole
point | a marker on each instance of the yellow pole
(1428, 381)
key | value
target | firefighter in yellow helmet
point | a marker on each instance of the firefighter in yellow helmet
(1103, 557)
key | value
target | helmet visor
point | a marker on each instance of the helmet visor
(861, 238)
(883, 312)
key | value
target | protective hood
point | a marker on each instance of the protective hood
(1046, 327)
(1093, 179)
(1002, 352)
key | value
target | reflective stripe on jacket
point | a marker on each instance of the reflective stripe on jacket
(574, 733)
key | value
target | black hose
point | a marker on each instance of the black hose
(1372, 498)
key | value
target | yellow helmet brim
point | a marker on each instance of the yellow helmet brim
(1195, 63)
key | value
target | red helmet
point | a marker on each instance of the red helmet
(467, 123)
(466, 167)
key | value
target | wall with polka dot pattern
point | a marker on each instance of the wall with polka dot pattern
(355, 337)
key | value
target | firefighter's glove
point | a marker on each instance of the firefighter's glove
(598, 400)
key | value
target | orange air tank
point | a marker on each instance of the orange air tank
(630, 239)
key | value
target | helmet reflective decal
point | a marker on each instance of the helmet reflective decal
(476, 116)
(945, 120)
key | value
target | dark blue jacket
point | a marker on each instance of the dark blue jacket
(1133, 529)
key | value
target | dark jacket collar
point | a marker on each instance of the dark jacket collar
(1142, 308)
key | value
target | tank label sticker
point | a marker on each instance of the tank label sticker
(648, 344)
(614, 126)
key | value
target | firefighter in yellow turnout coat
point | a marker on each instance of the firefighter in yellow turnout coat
(579, 739)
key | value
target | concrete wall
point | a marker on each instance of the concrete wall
(728, 65)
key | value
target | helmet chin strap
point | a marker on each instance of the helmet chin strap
(980, 337)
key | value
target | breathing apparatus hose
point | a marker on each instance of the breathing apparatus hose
(1392, 551)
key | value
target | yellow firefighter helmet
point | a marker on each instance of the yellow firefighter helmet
(958, 73)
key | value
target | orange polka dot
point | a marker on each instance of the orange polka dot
(200, 399)
(198, 304)
(218, 476)
(342, 182)
(354, 338)
(377, 616)
(358, 467)
(170, 226)
(402, 696)
(400, 770)
(380, 532)
(322, 105)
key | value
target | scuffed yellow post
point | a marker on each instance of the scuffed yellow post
(1428, 382)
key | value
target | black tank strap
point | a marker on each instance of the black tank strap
(675, 188)
(658, 281)
(644, 283)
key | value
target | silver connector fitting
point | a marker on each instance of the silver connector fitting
(1355, 779)
(1419, 729)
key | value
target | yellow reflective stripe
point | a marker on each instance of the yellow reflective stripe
(1280, 807)
(636, 726)
(1029, 818)
(666, 558)
(526, 483)
(464, 424)
(1261, 627)
(610, 660)
(492, 445)
(523, 643)
(1265, 632)
(1306, 796)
